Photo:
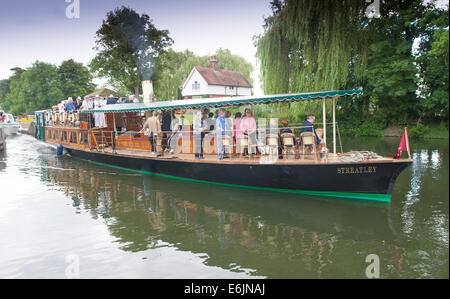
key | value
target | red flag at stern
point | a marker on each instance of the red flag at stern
(403, 146)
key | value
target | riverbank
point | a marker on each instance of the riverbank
(27, 127)
(415, 131)
(429, 131)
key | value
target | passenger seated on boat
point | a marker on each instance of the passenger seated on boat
(308, 141)
(287, 137)
(285, 129)
(308, 126)
(152, 128)
(272, 139)
(248, 128)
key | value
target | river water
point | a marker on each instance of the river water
(62, 217)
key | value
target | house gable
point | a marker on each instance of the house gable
(194, 85)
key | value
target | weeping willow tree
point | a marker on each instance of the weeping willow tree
(311, 45)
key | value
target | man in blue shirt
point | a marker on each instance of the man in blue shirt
(307, 126)
(69, 106)
(220, 131)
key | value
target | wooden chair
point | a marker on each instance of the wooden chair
(288, 143)
(227, 144)
(272, 142)
(308, 141)
(242, 142)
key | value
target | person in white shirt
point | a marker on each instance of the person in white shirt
(61, 106)
(173, 139)
(99, 117)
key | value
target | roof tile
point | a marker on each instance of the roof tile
(223, 77)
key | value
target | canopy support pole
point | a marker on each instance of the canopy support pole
(334, 125)
(324, 113)
(113, 137)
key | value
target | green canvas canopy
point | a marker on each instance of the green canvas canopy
(226, 101)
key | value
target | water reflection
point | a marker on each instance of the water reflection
(278, 235)
(246, 232)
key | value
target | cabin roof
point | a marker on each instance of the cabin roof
(225, 101)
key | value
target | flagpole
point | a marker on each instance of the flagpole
(407, 143)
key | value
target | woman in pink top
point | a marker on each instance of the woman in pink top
(237, 125)
(248, 127)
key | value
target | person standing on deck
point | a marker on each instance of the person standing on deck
(77, 104)
(173, 139)
(308, 126)
(199, 133)
(166, 130)
(152, 128)
(98, 116)
(237, 126)
(69, 106)
(220, 131)
(61, 107)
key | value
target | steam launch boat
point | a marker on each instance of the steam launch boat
(288, 162)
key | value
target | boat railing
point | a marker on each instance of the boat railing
(185, 141)
(262, 142)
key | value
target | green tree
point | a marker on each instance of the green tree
(312, 45)
(391, 79)
(37, 88)
(75, 79)
(8, 85)
(4, 90)
(129, 46)
(432, 59)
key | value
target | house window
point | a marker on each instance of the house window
(231, 87)
(195, 85)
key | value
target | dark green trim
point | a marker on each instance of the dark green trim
(348, 195)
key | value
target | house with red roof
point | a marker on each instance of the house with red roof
(214, 82)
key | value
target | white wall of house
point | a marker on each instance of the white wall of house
(229, 90)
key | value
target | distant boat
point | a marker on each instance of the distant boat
(9, 124)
